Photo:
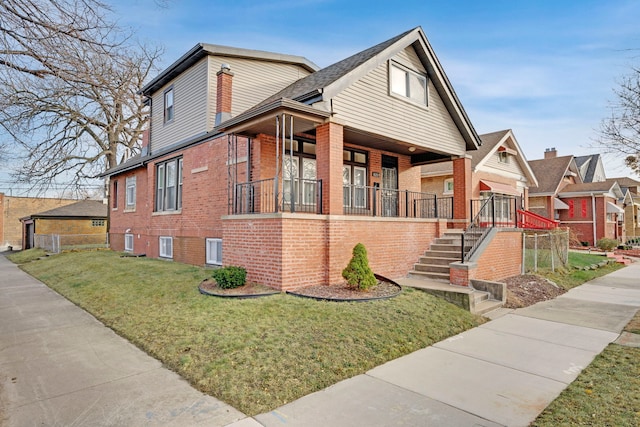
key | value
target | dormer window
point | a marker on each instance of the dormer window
(407, 83)
(168, 105)
(503, 157)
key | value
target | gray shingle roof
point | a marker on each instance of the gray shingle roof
(82, 209)
(313, 83)
(591, 167)
(550, 173)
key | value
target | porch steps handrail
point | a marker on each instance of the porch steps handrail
(528, 219)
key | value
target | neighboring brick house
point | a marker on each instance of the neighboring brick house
(79, 223)
(498, 167)
(13, 208)
(262, 160)
(575, 192)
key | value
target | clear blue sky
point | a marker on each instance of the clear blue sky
(545, 69)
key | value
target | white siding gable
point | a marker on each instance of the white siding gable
(368, 105)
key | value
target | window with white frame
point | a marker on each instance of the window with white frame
(407, 83)
(448, 186)
(169, 185)
(168, 105)
(128, 242)
(214, 251)
(131, 192)
(503, 157)
(166, 247)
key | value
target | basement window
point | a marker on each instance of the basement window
(214, 251)
(128, 242)
(166, 247)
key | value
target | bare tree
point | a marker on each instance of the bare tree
(69, 79)
(620, 133)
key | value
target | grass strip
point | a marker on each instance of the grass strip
(254, 354)
(606, 393)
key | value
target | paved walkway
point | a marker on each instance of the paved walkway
(60, 366)
(504, 372)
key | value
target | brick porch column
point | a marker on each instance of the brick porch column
(462, 188)
(329, 146)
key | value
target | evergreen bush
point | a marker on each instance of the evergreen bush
(357, 273)
(606, 244)
(230, 277)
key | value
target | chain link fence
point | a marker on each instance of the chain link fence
(548, 250)
(56, 243)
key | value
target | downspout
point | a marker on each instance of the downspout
(593, 217)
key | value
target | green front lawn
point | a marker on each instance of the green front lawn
(571, 277)
(606, 393)
(255, 354)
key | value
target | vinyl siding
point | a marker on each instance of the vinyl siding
(190, 108)
(513, 167)
(367, 105)
(253, 81)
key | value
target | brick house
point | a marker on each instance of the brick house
(575, 192)
(498, 167)
(79, 223)
(262, 160)
(13, 208)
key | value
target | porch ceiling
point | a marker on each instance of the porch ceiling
(419, 155)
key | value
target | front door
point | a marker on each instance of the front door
(389, 186)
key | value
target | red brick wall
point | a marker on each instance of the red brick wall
(502, 258)
(329, 148)
(582, 225)
(204, 202)
(289, 251)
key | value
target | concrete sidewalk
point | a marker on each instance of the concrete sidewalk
(59, 366)
(504, 372)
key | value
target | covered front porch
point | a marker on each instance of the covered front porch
(294, 163)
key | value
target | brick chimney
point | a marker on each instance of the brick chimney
(223, 96)
(550, 153)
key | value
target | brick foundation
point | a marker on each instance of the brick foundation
(287, 251)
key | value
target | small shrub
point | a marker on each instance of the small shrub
(230, 277)
(625, 247)
(585, 244)
(606, 244)
(357, 273)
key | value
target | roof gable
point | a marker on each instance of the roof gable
(319, 88)
(591, 168)
(495, 141)
(551, 172)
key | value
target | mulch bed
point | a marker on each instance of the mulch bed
(249, 290)
(384, 289)
(342, 292)
(528, 289)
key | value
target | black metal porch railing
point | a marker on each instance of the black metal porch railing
(376, 201)
(301, 195)
(494, 211)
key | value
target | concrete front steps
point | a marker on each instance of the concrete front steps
(476, 301)
(432, 274)
(434, 264)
